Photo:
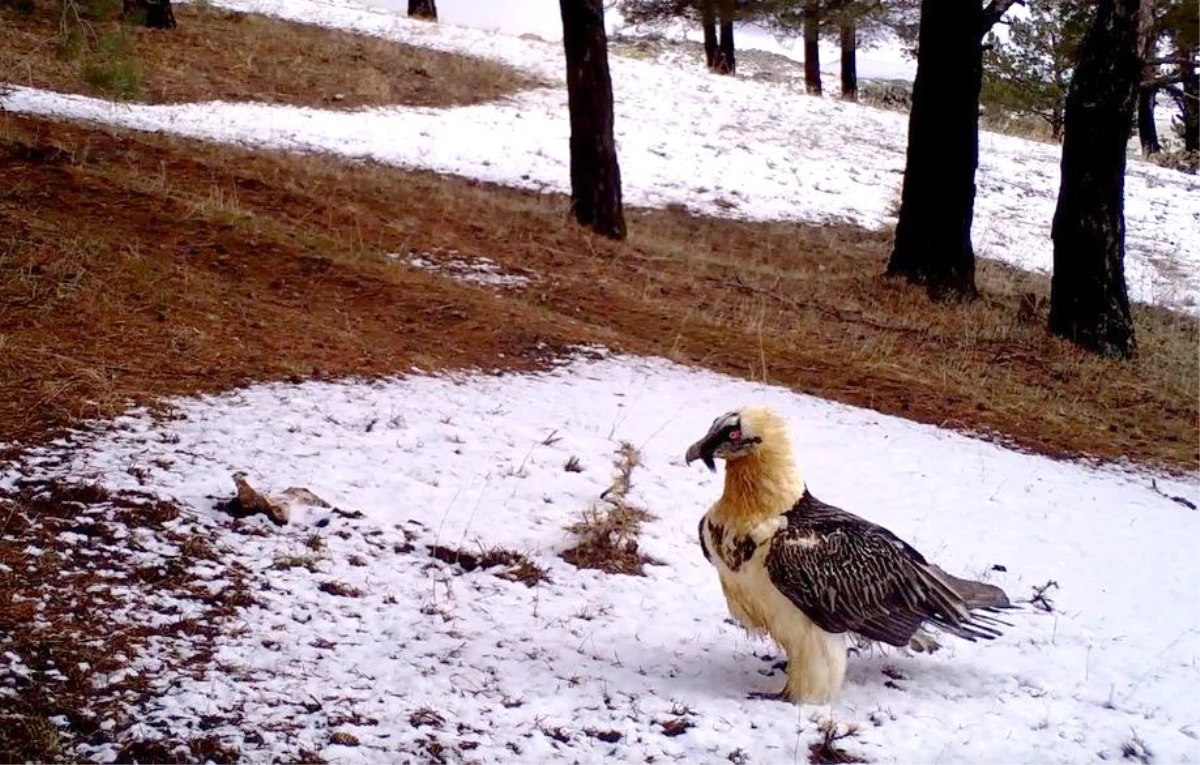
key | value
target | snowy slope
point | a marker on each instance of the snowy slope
(721, 146)
(519, 674)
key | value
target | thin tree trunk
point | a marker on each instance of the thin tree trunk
(1089, 303)
(812, 48)
(1147, 130)
(595, 174)
(422, 9)
(708, 16)
(726, 61)
(1191, 103)
(937, 201)
(849, 40)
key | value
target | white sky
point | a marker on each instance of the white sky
(541, 17)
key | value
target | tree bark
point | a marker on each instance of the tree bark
(708, 18)
(812, 48)
(422, 9)
(1088, 300)
(157, 14)
(1191, 103)
(1147, 130)
(595, 173)
(726, 61)
(849, 40)
(937, 201)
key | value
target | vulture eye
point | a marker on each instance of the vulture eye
(735, 435)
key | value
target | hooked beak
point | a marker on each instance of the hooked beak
(704, 450)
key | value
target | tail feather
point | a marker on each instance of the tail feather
(966, 606)
(974, 594)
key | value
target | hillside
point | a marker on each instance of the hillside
(459, 397)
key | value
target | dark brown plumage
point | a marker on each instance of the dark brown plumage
(850, 575)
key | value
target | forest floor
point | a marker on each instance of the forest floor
(137, 266)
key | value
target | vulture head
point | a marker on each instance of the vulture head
(738, 434)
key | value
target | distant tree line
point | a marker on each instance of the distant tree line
(1092, 61)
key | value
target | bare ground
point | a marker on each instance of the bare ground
(134, 266)
(216, 54)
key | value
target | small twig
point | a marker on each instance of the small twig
(1173, 497)
(1039, 598)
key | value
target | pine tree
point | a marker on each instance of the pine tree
(1031, 71)
(1089, 303)
(595, 172)
(1179, 24)
(422, 9)
(937, 199)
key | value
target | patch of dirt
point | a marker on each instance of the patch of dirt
(119, 284)
(515, 566)
(136, 266)
(80, 599)
(216, 54)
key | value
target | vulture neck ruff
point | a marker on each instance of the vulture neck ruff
(761, 485)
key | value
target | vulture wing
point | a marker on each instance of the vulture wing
(848, 574)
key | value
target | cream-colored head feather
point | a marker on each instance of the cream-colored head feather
(761, 479)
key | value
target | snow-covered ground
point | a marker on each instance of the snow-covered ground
(405, 656)
(721, 146)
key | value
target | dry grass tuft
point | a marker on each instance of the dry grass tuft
(233, 56)
(341, 589)
(514, 566)
(607, 534)
(825, 750)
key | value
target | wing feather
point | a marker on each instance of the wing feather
(848, 574)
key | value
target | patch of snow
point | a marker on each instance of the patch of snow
(721, 146)
(467, 269)
(417, 658)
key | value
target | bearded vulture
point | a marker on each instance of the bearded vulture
(806, 573)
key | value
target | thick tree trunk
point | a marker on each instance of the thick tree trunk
(937, 201)
(1088, 300)
(156, 14)
(812, 48)
(849, 40)
(708, 17)
(726, 61)
(422, 9)
(1147, 130)
(595, 174)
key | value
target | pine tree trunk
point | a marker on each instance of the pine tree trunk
(708, 16)
(726, 62)
(812, 48)
(156, 14)
(422, 9)
(159, 14)
(937, 201)
(1191, 104)
(595, 174)
(1088, 300)
(849, 41)
(1147, 130)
